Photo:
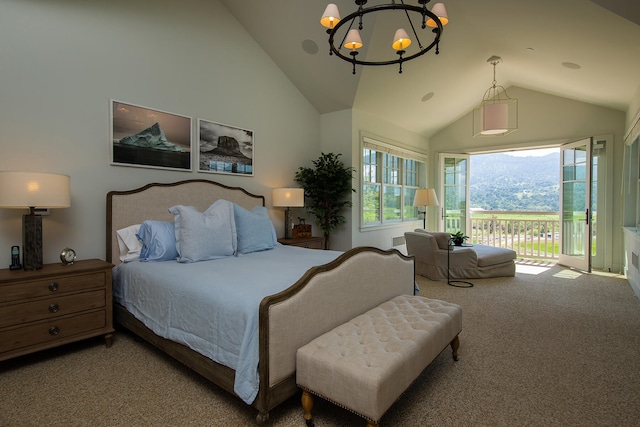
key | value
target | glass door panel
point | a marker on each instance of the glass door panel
(575, 223)
(455, 189)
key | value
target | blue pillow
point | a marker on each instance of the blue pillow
(158, 240)
(254, 228)
(205, 235)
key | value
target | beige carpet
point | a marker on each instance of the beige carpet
(550, 347)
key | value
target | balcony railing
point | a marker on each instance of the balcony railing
(530, 234)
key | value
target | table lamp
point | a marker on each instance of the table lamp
(30, 190)
(425, 197)
(289, 198)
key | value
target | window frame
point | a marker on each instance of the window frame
(407, 164)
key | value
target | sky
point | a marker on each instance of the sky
(529, 153)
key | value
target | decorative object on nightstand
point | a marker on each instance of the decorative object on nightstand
(425, 197)
(67, 256)
(30, 190)
(54, 305)
(288, 198)
(301, 229)
(15, 258)
(304, 242)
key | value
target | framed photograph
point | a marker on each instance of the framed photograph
(145, 137)
(224, 149)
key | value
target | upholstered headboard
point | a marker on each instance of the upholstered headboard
(125, 208)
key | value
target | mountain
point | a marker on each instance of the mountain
(509, 183)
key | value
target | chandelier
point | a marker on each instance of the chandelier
(434, 19)
(498, 113)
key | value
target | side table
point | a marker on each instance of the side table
(55, 305)
(304, 242)
(451, 282)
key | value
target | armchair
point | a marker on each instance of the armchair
(473, 262)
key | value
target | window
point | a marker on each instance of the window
(390, 178)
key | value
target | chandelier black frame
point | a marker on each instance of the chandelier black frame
(351, 18)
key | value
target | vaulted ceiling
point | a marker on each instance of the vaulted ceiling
(576, 49)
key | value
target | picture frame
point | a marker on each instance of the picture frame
(225, 149)
(150, 138)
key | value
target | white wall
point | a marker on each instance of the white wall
(62, 62)
(335, 137)
(634, 109)
(545, 119)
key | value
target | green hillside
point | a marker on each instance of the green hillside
(509, 183)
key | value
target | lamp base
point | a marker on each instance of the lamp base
(424, 218)
(288, 224)
(31, 241)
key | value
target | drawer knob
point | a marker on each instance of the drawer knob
(54, 330)
(53, 286)
(54, 308)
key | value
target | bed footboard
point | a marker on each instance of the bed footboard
(325, 297)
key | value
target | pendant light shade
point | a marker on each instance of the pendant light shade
(495, 119)
(401, 40)
(440, 11)
(353, 40)
(498, 113)
(330, 17)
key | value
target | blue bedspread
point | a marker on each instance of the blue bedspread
(212, 306)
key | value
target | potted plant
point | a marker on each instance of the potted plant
(458, 238)
(326, 187)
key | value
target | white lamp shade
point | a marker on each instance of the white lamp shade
(440, 11)
(401, 40)
(288, 197)
(425, 197)
(331, 16)
(495, 118)
(34, 189)
(353, 40)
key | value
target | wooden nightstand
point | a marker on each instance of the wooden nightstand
(54, 305)
(304, 242)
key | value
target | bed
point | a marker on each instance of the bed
(284, 296)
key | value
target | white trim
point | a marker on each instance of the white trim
(382, 147)
(633, 132)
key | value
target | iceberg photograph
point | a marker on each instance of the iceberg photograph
(145, 137)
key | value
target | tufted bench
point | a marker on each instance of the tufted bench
(364, 365)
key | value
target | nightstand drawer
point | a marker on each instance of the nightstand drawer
(51, 286)
(51, 308)
(304, 242)
(52, 330)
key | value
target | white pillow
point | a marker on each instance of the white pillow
(128, 243)
(205, 235)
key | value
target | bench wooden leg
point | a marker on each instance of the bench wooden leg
(454, 347)
(307, 405)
